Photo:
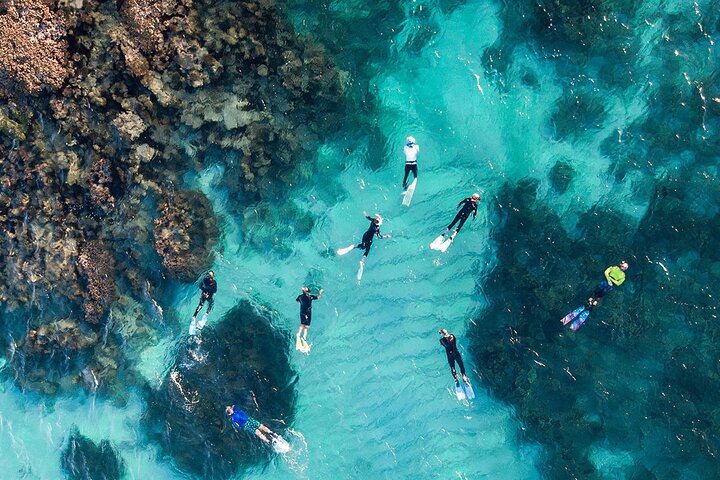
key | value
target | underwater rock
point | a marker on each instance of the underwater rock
(185, 234)
(83, 459)
(33, 52)
(241, 360)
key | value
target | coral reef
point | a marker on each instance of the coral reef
(185, 233)
(104, 108)
(63, 334)
(97, 268)
(67, 354)
(33, 50)
(187, 415)
(83, 459)
(566, 386)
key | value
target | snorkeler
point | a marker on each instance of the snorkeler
(411, 149)
(367, 238)
(372, 231)
(614, 277)
(305, 299)
(448, 341)
(208, 288)
(467, 206)
(242, 421)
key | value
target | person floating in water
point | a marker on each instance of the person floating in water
(467, 206)
(372, 232)
(614, 277)
(449, 341)
(305, 299)
(208, 288)
(242, 421)
(411, 150)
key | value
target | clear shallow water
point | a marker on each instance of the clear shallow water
(373, 398)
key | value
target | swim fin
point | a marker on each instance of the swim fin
(408, 194)
(571, 316)
(444, 246)
(469, 392)
(435, 245)
(346, 250)
(280, 445)
(580, 320)
(459, 392)
(202, 322)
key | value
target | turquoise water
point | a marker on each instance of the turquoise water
(491, 105)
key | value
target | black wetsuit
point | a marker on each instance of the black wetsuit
(306, 307)
(453, 355)
(468, 207)
(208, 287)
(368, 237)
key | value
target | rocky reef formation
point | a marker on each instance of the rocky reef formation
(241, 360)
(184, 234)
(104, 109)
(83, 459)
(634, 378)
(33, 51)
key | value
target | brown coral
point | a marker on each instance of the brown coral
(99, 187)
(145, 18)
(33, 51)
(185, 233)
(129, 125)
(97, 267)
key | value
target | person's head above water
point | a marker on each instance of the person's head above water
(410, 141)
(475, 196)
(378, 219)
(305, 289)
(443, 332)
(229, 410)
(211, 274)
(624, 265)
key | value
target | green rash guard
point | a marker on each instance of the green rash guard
(615, 275)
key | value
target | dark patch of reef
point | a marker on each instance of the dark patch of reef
(104, 108)
(637, 381)
(631, 394)
(83, 459)
(241, 360)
